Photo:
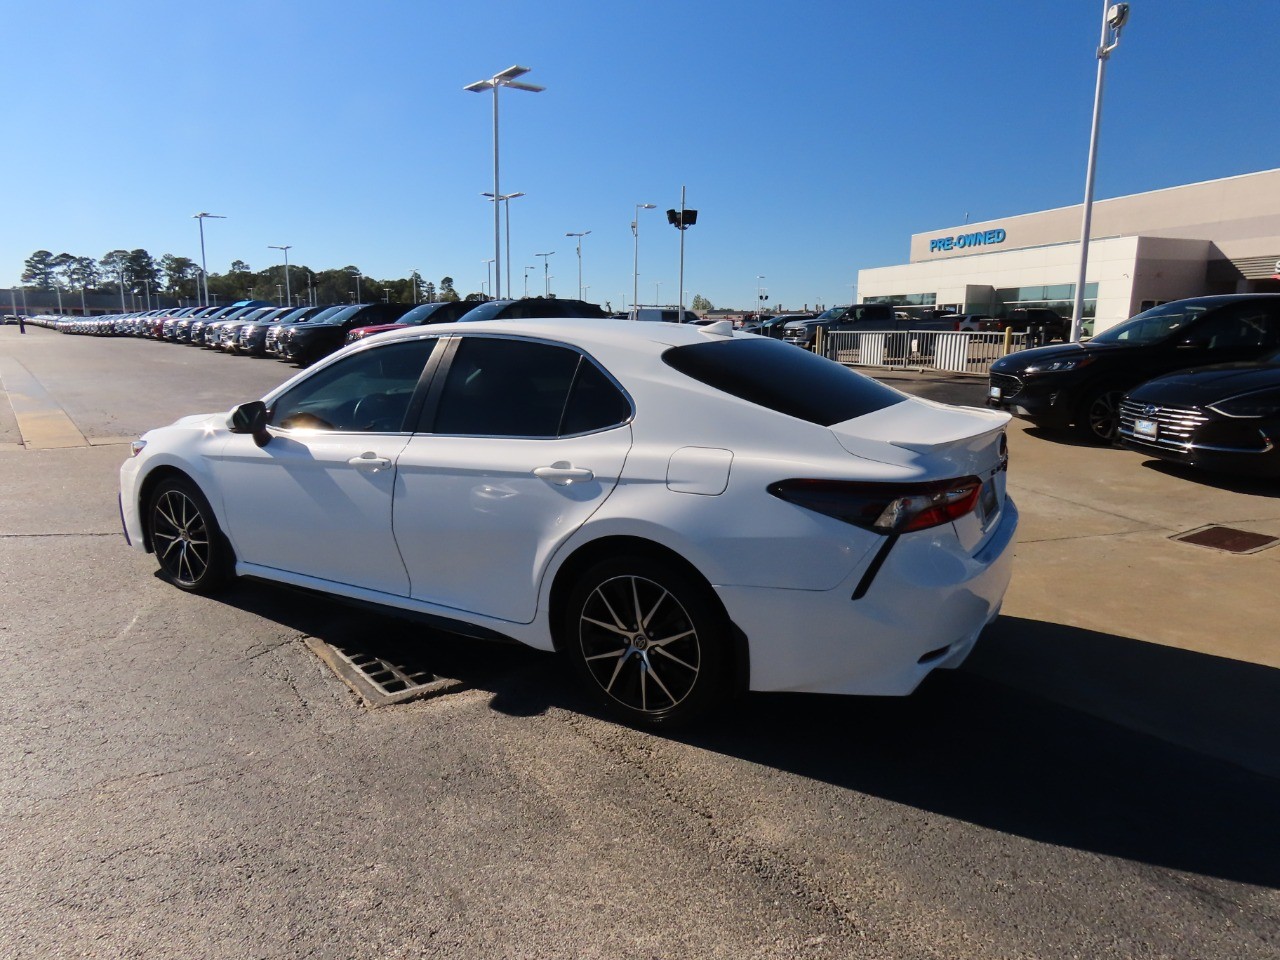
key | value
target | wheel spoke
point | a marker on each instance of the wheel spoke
(616, 670)
(184, 562)
(606, 626)
(662, 686)
(606, 656)
(672, 656)
(608, 606)
(644, 624)
(167, 514)
(672, 639)
(644, 685)
(635, 597)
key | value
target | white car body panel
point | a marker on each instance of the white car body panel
(690, 473)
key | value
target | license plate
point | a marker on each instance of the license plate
(987, 500)
(994, 393)
(1146, 428)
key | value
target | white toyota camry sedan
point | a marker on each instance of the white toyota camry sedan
(683, 512)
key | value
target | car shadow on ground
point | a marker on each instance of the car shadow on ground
(1252, 486)
(1068, 438)
(967, 745)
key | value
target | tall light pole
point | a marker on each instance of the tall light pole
(682, 220)
(488, 266)
(504, 79)
(759, 293)
(526, 279)
(506, 199)
(359, 295)
(1114, 17)
(657, 287)
(635, 261)
(204, 267)
(288, 298)
(579, 236)
(546, 278)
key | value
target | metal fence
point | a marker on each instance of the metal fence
(954, 351)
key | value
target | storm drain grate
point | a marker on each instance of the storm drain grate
(384, 676)
(1228, 539)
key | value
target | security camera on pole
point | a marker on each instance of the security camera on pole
(682, 219)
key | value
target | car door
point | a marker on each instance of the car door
(316, 498)
(520, 441)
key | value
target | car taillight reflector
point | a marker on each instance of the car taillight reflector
(884, 507)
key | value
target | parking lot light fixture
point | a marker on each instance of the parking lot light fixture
(488, 267)
(635, 262)
(1114, 17)
(507, 78)
(526, 279)
(759, 294)
(579, 237)
(506, 199)
(204, 267)
(285, 247)
(546, 277)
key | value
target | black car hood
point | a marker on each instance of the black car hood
(1204, 385)
(1017, 362)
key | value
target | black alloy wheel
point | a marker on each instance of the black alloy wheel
(192, 553)
(650, 642)
(1100, 416)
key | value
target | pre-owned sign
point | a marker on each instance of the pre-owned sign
(982, 238)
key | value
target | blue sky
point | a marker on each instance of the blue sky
(813, 138)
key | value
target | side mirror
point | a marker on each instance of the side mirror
(251, 418)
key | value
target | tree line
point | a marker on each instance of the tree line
(136, 272)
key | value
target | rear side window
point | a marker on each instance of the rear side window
(779, 377)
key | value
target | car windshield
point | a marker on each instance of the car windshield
(421, 313)
(831, 313)
(777, 376)
(339, 316)
(1156, 324)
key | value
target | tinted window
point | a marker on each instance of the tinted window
(1242, 325)
(780, 377)
(594, 403)
(366, 392)
(506, 388)
(1157, 323)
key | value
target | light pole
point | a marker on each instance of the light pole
(579, 236)
(285, 247)
(488, 267)
(506, 199)
(657, 287)
(1114, 17)
(759, 294)
(635, 261)
(546, 278)
(359, 295)
(682, 220)
(504, 79)
(204, 267)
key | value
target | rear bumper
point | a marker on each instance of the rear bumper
(924, 610)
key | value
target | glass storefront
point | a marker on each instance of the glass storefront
(1058, 297)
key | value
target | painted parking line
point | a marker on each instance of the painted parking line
(44, 425)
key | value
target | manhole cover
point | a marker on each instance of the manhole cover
(382, 676)
(1228, 539)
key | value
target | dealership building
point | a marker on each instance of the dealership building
(1218, 236)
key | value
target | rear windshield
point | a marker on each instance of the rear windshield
(781, 377)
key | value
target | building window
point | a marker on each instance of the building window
(1058, 297)
(906, 299)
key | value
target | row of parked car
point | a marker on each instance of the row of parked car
(1192, 381)
(303, 335)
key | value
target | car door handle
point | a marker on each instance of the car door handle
(563, 473)
(370, 460)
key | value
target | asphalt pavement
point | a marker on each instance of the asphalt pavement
(182, 776)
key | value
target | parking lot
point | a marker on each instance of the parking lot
(183, 776)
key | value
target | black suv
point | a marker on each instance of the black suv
(1080, 384)
(305, 343)
(536, 307)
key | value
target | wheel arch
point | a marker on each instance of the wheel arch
(587, 554)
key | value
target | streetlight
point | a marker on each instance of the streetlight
(506, 199)
(204, 267)
(579, 236)
(488, 266)
(285, 247)
(504, 79)
(635, 262)
(526, 279)
(682, 220)
(759, 293)
(546, 279)
(1114, 17)
(657, 286)
(359, 295)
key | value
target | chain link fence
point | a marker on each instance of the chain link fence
(953, 351)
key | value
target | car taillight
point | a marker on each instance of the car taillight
(884, 507)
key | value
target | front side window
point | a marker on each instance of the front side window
(368, 392)
(1155, 324)
(1241, 326)
(519, 388)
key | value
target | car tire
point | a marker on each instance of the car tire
(189, 546)
(648, 640)
(1099, 417)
